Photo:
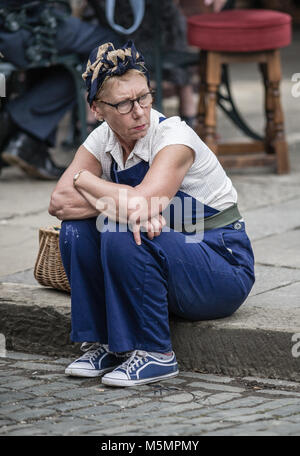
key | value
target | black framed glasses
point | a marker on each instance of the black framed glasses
(126, 106)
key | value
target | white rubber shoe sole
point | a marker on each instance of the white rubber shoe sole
(75, 372)
(113, 381)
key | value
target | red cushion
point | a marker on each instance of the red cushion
(240, 30)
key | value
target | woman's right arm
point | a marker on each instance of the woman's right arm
(66, 202)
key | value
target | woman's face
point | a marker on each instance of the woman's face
(127, 127)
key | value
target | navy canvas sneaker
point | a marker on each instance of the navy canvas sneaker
(142, 367)
(96, 361)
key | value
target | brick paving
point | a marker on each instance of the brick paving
(37, 398)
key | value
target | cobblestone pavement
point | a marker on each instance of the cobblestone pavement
(37, 398)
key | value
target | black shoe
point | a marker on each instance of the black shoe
(32, 156)
(2, 164)
(7, 128)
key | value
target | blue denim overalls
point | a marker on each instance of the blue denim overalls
(122, 292)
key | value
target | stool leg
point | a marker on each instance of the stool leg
(269, 111)
(279, 143)
(213, 80)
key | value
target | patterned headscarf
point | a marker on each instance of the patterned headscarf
(106, 61)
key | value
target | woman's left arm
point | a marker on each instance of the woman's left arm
(165, 175)
(145, 201)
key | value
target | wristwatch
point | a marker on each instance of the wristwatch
(77, 175)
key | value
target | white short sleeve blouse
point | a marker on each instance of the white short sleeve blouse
(206, 180)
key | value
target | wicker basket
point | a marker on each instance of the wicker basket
(49, 270)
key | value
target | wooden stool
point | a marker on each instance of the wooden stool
(242, 36)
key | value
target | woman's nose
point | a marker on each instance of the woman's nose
(137, 109)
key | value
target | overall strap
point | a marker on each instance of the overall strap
(114, 171)
(114, 166)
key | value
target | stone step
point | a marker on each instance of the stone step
(260, 339)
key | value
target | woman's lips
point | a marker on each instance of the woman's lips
(140, 127)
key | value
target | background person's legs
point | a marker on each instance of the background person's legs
(37, 113)
(39, 110)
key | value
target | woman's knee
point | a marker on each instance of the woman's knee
(77, 235)
(120, 251)
(117, 243)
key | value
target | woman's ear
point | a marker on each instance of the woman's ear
(96, 111)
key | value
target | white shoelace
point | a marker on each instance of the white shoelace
(92, 353)
(136, 359)
(86, 346)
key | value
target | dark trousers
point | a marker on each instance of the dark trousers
(40, 109)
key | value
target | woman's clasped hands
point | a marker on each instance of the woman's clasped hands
(153, 227)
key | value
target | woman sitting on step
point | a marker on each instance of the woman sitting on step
(150, 227)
